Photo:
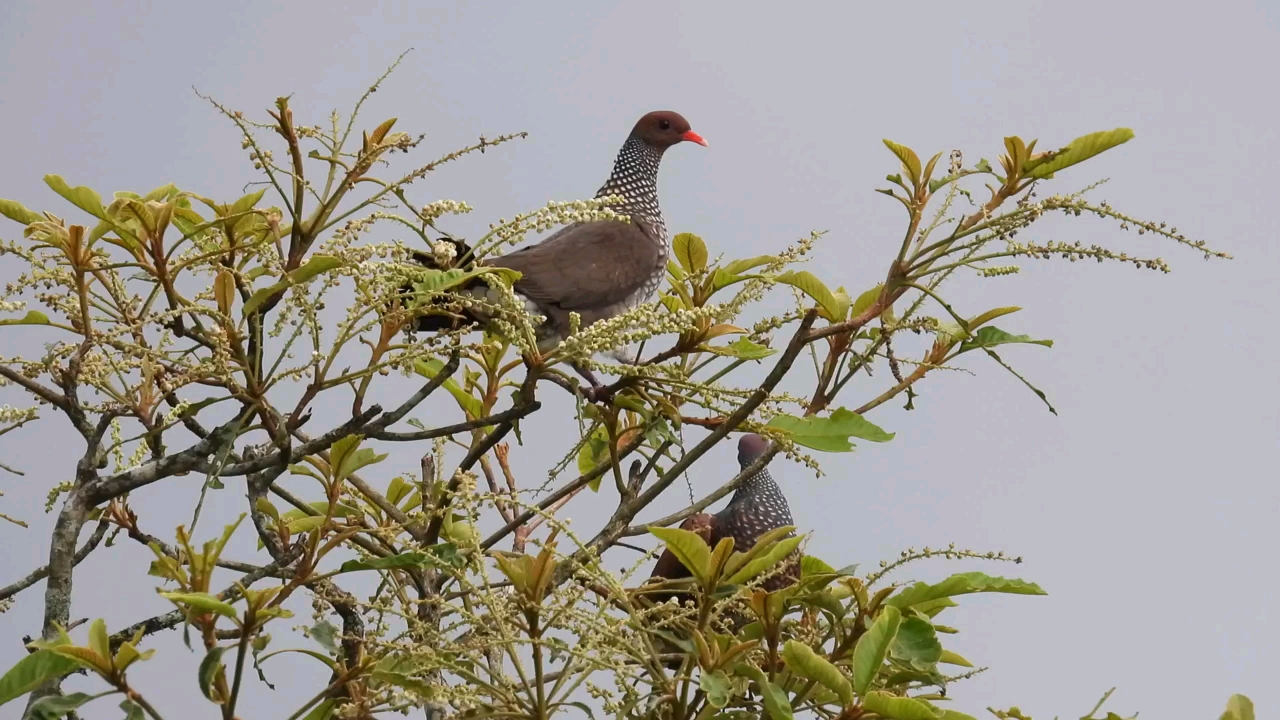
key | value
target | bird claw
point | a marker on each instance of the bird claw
(598, 394)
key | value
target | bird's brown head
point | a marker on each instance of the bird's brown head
(750, 448)
(664, 128)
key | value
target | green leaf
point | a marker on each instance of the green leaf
(594, 453)
(949, 714)
(18, 212)
(33, 317)
(900, 708)
(717, 687)
(393, 562)
(31, 671)
(82, 197)
(803, 661)
(951, 658)
(774, 697)
(737, 267)
(325, 633)
(132, 710)
(742, 348)
(56, 706)
(830, 307)
(305, 524)
(873, 646)
(466, 401)
(991, 336)
(988, 316)
(690, 251)
(200, 603)
(1079, 150)
(209, 668)
(317, 265)
(910, 161)
(831, 433)
(99, 640)
(1239, 707)
(689, 548)
(917, 643)
(866, 300)
(767, 561)
(962, 584)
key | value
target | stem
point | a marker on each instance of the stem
(229, 710)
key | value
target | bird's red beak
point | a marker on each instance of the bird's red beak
(692, 136)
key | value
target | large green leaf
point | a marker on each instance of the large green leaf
(873, 646)
(991, 336)
(832, 307)
(31, 671)
(690, 251)
(917, 643)
(87, 199)
(689, 548)
(18, 212)
(899, 708)
(803, 661)
(1079, 150)
(962, 584)
(831, 433)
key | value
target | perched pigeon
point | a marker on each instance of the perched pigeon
(597, 269)
(755, 508)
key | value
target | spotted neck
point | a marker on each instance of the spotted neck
(635, 179)
(762, 488)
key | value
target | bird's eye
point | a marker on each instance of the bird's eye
(665, 124)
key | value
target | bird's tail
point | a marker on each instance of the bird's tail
(440, 314)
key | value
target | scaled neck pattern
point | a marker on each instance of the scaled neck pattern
(635, 179)
(760, 490)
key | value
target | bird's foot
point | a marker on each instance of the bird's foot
(598, 393)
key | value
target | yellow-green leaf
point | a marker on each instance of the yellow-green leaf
(873, 646)
(767, 561)
(910, 161)
(33, 317)
(951, 658)
(900, 708)
(32, 671)
(830, 433)
(99, 641)
(866, 300)
(1079, 150)
(689, 548)
(807, 283)
(962, 584)
(1239, 707)
(208, 673)
(306, 524)
(82, 197)
(690, 251)
(18, 212)
(803, 661)
(201, 603)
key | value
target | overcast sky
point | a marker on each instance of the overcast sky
(1146, 507)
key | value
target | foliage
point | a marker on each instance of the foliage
(174, 320)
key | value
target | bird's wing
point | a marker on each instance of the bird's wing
(586, 266)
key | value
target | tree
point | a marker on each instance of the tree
(191, 336)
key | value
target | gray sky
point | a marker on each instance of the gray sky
(1146, 508)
